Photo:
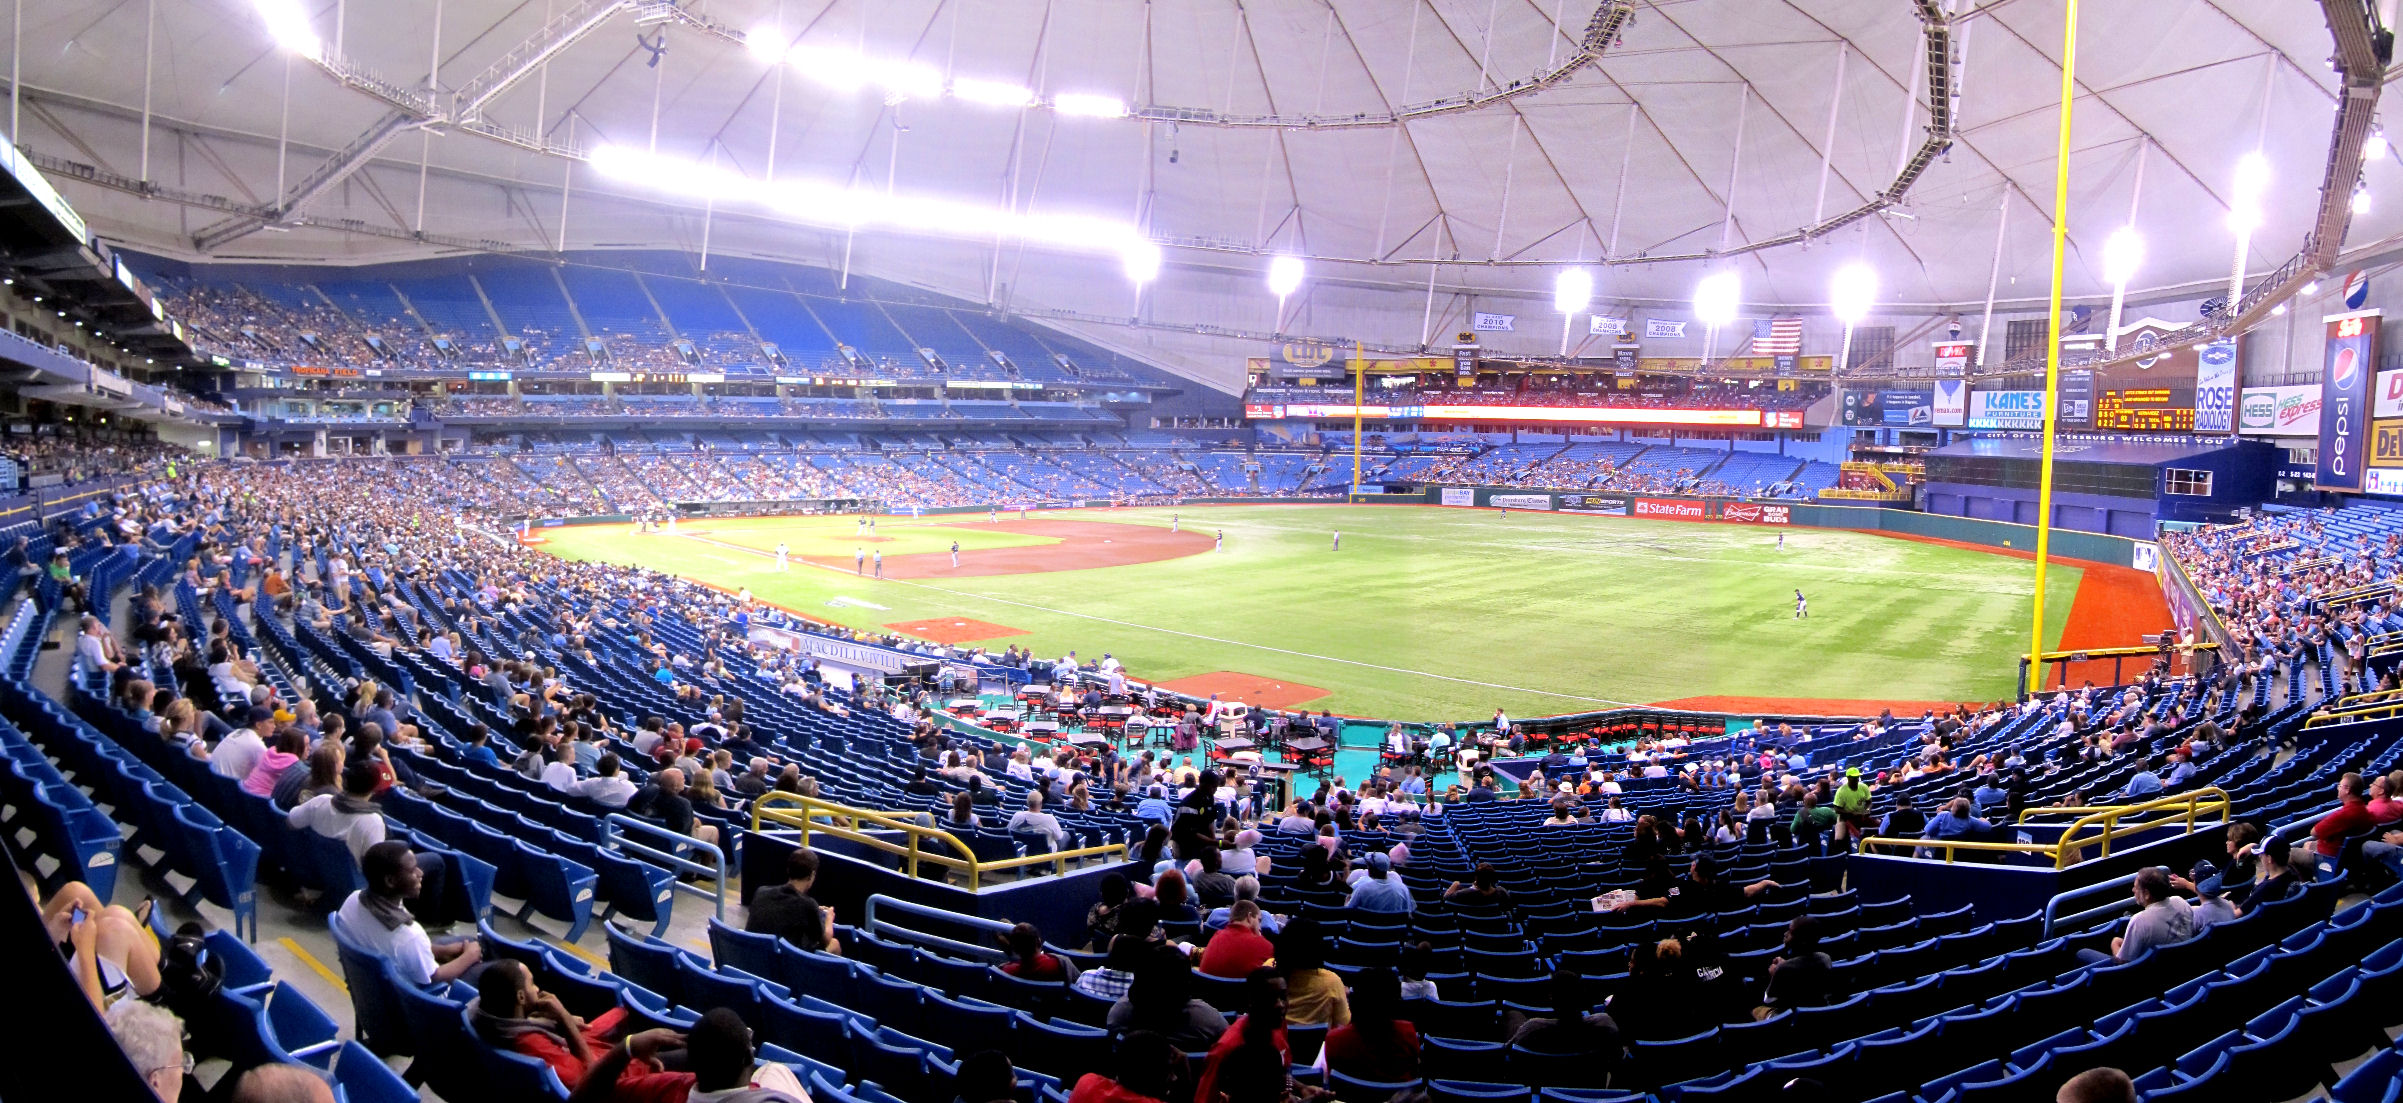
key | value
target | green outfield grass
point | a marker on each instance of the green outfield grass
(840, 537)
(1442, 613)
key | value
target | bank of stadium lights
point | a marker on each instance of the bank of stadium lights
(2374, 146)
(1572, 292)
(849, 70)
(1142, 262)
(2244, 216)
(2123, 253)
(288, 24)
(1850, 294)
(841, 206)
(1715, 300)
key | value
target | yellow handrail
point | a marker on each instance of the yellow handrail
(2070, 848)
(845, 822)
(2384, 710)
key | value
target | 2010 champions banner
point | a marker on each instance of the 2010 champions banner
(2351, 358)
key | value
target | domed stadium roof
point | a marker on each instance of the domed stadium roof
(1698, 127)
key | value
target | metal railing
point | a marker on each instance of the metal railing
(2106, 821)
(670, 858)
(2115, 891)
(2118, 656)
(920, 844)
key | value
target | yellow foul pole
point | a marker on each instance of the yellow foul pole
(2052, 348)
(1359, 395)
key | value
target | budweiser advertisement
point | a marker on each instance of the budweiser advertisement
(1757, 513)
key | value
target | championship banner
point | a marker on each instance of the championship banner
(1663, 327)
(2280, 411)
(2215, 388)
(2344, 398)
(1495, 323)
(1952, 358)
(1603, 326)
(1952, 403)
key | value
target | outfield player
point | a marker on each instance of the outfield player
(955, 555)
(1174, 520)
(1802, 606)
(992, 515)
(1221, 544)
(1781, 541)
(1338, 541)
(783, 556)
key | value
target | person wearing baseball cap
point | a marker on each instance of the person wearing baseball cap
(1851, 799)
(1381, 892)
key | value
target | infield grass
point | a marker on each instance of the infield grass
(1431, 613)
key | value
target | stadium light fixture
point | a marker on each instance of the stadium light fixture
(849, 71)
(1572, 292)
(994, 93)
(1851, 293)
(768, 44)
(1715, 300)
(1284, 275)
(288, 24)
(2361, 198)
(2312, 288)
(1089, 105)
(1142, 262)
(2244, 216)
(2374, 146)
(2123, 252)
(842, 206)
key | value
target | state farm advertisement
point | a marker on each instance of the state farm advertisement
(1757, 513)
(1669, 510)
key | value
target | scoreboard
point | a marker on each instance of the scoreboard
(2145, 409)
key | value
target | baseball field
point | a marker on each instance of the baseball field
(1425, 612)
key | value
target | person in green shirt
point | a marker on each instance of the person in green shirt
(1851, 799)
(1814, 820)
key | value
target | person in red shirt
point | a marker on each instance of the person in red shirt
(1240, 949)
(2352, 817)
(720, 1053)
(2384, 791)
(510, 1013)
(1252, 1063)
(1029, 960)
(1147, 1068)
(1374, 1045)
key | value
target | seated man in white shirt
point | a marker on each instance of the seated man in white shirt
(607, 787)
(239, 753)
(377, 918)
(560, 773)
(1034, 820)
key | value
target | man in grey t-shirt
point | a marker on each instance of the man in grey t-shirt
(2164, 919)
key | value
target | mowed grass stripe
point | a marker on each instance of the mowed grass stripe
(1425, 613)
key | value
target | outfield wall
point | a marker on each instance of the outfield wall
(2117, 551)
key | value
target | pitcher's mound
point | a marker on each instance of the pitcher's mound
(951, 630)
(1251, 689)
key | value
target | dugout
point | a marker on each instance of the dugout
(2109, 485)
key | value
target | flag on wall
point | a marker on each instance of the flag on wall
(1778, 336)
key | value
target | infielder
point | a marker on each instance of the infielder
(880, 562)
(955, 555)
(783, 555)
(1221, 544)
(859, 560)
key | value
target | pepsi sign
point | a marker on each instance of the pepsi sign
(2345, 399)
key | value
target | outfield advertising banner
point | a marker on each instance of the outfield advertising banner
(2388, 400)
(1757, 513)
(2215, 388)
(1669, 509)
(2386, 443)
(1522, 501)
(2384, 480)
(1901, 408)
(2077, 399)
(1459, 496)
(2006, 410)
(1603, 504)
(2344, 398)
(2279, 411)
(1952, 403)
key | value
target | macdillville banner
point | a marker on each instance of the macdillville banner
(2352, 353)
(2280, 411)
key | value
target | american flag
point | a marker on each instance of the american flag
(1778, 336)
